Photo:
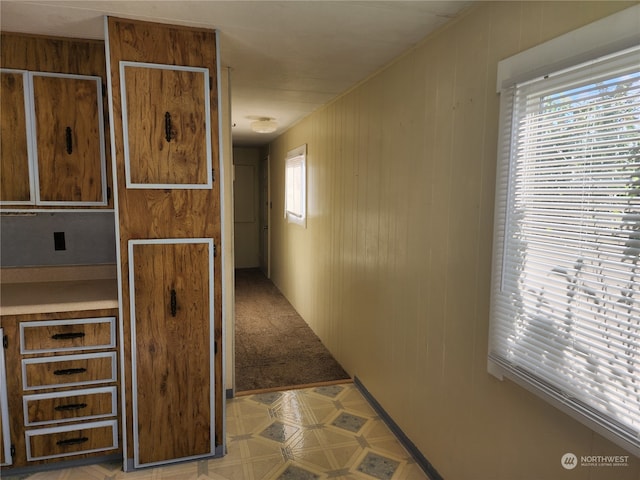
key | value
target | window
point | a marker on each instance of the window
(295, 185)
(565, 310)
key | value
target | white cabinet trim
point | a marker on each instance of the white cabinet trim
(81, 321)
(68, 393)
(103, 157)
(125, 127)
(134, 373)
(69, 428)
(26, 86)
(4, 409)
(66, 358)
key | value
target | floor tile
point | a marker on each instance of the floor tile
(378, 466)
(347, 421)
(308, 434)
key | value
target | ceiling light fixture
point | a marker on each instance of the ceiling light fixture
(264, 125)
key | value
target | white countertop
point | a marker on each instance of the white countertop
(57, 289)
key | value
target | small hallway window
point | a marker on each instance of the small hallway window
(295, 185)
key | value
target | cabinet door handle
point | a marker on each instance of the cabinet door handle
(69, 371)
(69, 140)
(70, 406)
(167, 126)
(67, 336)
(72, 441)
(174, 303)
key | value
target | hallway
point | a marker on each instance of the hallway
(274, 346)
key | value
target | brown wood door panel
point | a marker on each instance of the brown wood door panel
(74, 174)
(173, 357)
(74, 335)
(14, 153)
(88, 437)
(180, 95)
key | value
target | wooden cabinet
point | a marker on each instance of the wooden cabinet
(68, 132)
(15, 167)
(175, 151)
(56, 156)
(63, 386)
(5, 436)
(165, 124)
(173, 374)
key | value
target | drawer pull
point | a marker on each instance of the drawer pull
(67, 336)
(72, 441)
(69, 371)
(71, 406)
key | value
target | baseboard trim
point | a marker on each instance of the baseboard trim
(294, 387)
(417, 455)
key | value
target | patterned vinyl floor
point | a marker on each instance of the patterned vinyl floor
(313, 433)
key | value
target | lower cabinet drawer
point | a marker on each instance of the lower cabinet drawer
(59, 407)
(71, 440)
(69, 370)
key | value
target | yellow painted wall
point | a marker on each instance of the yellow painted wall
(393, 269)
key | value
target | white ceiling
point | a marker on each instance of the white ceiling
(287, 58)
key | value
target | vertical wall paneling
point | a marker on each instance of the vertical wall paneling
(393, 270)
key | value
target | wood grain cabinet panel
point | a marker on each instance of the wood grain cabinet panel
(69, 139)
(66, 335)
(15, 177)
(69, 370)
(72, 440)
(5, 435)
(172, 316)
(70, 405)
(169, 143)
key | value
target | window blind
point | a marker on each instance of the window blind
(565, 309)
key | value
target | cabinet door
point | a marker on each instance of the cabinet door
(171, 289)
(169, 142)
(5, 444)
(69, 140)
(15, 174)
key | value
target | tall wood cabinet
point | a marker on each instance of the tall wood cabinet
(165, 131)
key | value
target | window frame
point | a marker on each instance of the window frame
(602, 38)
(296, 157)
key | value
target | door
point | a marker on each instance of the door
(172, 306)
(265, 208)
(69, 139)
(15, 175)
(175, 148)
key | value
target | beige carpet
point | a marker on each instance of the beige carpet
(274, 346)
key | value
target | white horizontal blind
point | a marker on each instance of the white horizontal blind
(566, 287)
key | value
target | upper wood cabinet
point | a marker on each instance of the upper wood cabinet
(69, 139)
(53, 149)
(15, 168)
(169, 144)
